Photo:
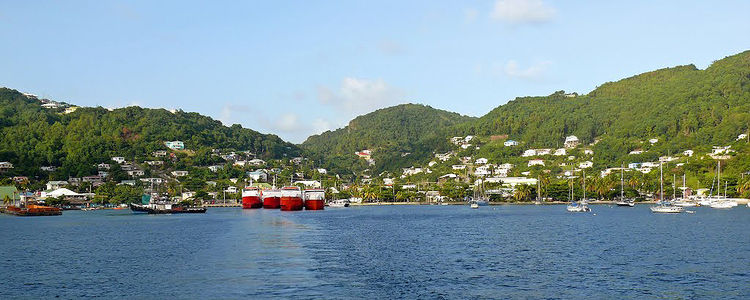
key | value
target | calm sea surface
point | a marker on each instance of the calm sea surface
(380, 253)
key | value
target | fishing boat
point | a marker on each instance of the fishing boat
(580, 206)
(314, 199)
(291, 198)
(663, 206)
(251, 197)
(623, 201)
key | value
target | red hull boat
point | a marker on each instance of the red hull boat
(315, 199)
(291, 199)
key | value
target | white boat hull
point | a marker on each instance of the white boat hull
(578, 208)
(666, 209)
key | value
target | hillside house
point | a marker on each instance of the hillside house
(457, 140)
(511, 181)
(240, 163)
(322, 171)
(179, 173)
(447, 177)
(666, 158)
(528, 153)
(258, 175)
(175, 145)
(136, 173)
(510, 143)
(257, 162)
(103, 166)
(571, 141)
(650, 165)
(536, 162)
(653, 141)
(481, 161)
(688, 153)
(309, 183)
(502, 172)
(215, 168)
(506, 166)
(458, 167)
(127, 167)
(634, 165)
(296, 160)
(586, 165)
(444, 156)
(560, 152)
(118, 159)
(48, 168)
(159, 153)
(431, 163)
(154, 162)
(388, 181)
(127, 182)
(231, 189)
(741, 137)
(364, 154)
(588, 152)
(483, 171)
(154, 180)
(636, 152)
(6, 166)
(409, 186)
(465, 146)
(53, 185)
(92, 179)
(543, 151)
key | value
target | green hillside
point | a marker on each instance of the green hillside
(398, 136)
(32, 136)
(684, 107)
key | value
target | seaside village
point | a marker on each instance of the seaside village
(449, 177)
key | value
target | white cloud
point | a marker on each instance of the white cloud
(522, 11)
(356, 96)
(536, 71)
(287, 122)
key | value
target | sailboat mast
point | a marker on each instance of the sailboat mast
(674, 186)
(584, 185)
(622, 183)
(661, 182)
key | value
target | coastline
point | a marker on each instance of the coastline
(606, 202)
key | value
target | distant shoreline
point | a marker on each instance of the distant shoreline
(492, 203)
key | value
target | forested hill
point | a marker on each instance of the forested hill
(32, 136)
(682, 106)
(398, 136)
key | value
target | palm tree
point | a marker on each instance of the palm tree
(744, 187)
(522, 192)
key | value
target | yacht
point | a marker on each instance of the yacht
(721, 202)
(623, 201)
(339, 203)
(474, 204)
(580, 206)
(663, 206)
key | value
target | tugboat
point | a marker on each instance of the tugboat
(251, 198)
(315, 199)
(271, 199)
(291, 198)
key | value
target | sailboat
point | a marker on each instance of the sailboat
(480, 198)
(721, 202)
(663, 206)
(684, 201)
(581, 206)
(623, 201)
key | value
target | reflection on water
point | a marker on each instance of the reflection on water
(380, 252)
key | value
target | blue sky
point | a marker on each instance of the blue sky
(296, 68)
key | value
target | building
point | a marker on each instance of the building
(388, 181)
(215, 168)
(256, 162)
(571, 141)
(586, 165)
(136, 173)
(536, 162)
(458, 167)
(175, 145)
(118, 159)
(741, 137)
(636, 152)
(179, 173)
(481, 161)
(154, 180)
(560, 152)
(48, 168)
(296, 160)
(364, 154)
(483, 171)
(634, 165)
(6, 165)
(443, 156)
(511, 181)
(159, 153)
(53, 185)
(510, 143)
(103, 166)
(588, 152)
(127, 182)
(309, 183)
(447, 177)
(653, 141)
(258, 175)
(688, 153)
(530, 152)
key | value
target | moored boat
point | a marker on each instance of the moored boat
(339, 203)
(291, 199)
(251, 197)
(314, 199)
(30, 210)
(664, 207)
(271, 199)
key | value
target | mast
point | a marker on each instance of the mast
(584, 185)
(661, 182)
(622, 184)
(674, 186)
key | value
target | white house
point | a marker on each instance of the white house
(431, 163)
(159, 153)
(175, 145)
(634, 165)
(240, 163)
(650, 165)
(571, 141)
(666, 158)
(457, 140)
(215, 168)
(636, 152)
(481, 161)
(543, 151)
(256, 162)
(741, 136)
(536, 162)
(560, 152)
(103, 166)
(502, 172)
(653, 141)
(154, 162)
(446, 177)
(409, 186)
(154, 180)
(322, 171)
(530, 152)
(48, 168)
(231, 189)
(136, 173)
(506, 166)
(119, 159)
(465, 146)
(588, 152)
(468, 138)
(258, 175)
(179, 173)
(458, 167)
(510, 143)
(511, 181)
(586, 165)
(309, 183)
(688, 153)
(53, 185)
(443, 156)
(483, 171)
(388, 181)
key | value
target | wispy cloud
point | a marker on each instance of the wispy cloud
(357, 96)
(522, 11)
(536, 71)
